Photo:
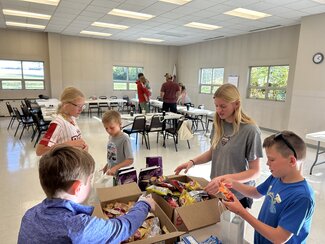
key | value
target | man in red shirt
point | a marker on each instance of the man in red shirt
(169, 93)
(143, 93)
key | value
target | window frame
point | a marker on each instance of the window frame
(213, 87)
(128, 82)
(267, 88)
(23, 80)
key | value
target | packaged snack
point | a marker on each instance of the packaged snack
(186, 199)
(146, 175)
(127, 176)
(180, 186)
(172, 201)
(193, 185)
(212, 240)
(199, 196)
(226, 194)
(155, 161)
(159, 190)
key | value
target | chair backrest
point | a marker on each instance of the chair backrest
(125, 97)
(11, 112)
(157, 123)
(113, 97)
(25, 111)
(18, 115)
(139, 123)
(102, 97)
(201, 106)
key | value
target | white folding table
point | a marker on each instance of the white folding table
(319, 137)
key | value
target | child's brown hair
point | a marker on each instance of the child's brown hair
(286, 143)
(60, 167)
(111, 116)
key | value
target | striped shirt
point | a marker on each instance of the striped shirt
(60, 131)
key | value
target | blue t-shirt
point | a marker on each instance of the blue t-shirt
(289, 205)
(63, 221)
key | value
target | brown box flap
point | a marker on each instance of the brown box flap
(117, 192)
(200, 214)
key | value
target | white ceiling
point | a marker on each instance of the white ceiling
(72, 16)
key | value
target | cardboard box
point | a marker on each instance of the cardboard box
(193, 216)
(131, 192)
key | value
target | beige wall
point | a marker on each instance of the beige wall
(236, 54)
(24, 45)
(87, 63)
(308, 101)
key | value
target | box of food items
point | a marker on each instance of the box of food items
(116, 201)
(185, 202)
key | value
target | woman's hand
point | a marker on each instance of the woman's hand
(186, 166)
(213, 187)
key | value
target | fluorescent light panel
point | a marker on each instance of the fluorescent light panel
(320, 1)
(247, 14)
(202, 26)
(48, 2)
(178, 2)
(150, 39)
(108, 25)
(25, 25)
(25, 14)
(94, 33)
(130, 14)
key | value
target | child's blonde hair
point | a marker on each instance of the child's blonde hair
(69, 94)
(229, 93)
(111, 116)
(61, 166)
(294, 141)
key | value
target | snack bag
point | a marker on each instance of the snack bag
(226, 194)
(159, 190)
(193, 186)
(186, 199)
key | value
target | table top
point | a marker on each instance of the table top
(52, 102)
(316, 136)
(105, 101)
(168, 115)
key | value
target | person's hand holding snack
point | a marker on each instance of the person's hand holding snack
(234, 206)
(148, 199)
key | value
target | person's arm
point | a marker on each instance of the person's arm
(201, 159)
(252, 173)
(246, 190)
(273, 234)
(41, 149)
(115, 168)
(162, 94)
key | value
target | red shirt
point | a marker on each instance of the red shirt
(143, 92)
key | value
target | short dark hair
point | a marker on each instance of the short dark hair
(140, 74)
(61, 166)
(283, 142)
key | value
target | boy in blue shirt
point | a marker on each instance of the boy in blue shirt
(65, 174)
(286, 213)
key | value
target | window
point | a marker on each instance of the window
(210, 79)
(124, 77)
(18, 75)
(268, 82)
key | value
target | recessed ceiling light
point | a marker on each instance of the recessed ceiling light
(25, 14)
(320, 1)
(202, 26)
(130, 14)
(247, 14)
(48, 2)
(94, 33)
(150, 39)
(178, 2)
(17, 24)
(108, 25)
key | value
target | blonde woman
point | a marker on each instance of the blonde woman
(64, 129)
(236, 144)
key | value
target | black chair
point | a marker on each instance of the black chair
(26, 123)
(138, 126)
(103, 105)
(93, 106)
(40, 127)
(127, 106)
(174, 133)
(12, 115)
(33, 107)
(157, 124)
(113, 104)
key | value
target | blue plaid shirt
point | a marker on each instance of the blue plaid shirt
(63, 221)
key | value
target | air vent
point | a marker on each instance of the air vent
(165, 33)
(213, 38)
(266, 28)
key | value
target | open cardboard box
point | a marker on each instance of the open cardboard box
(131, 192)
(194, 216)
